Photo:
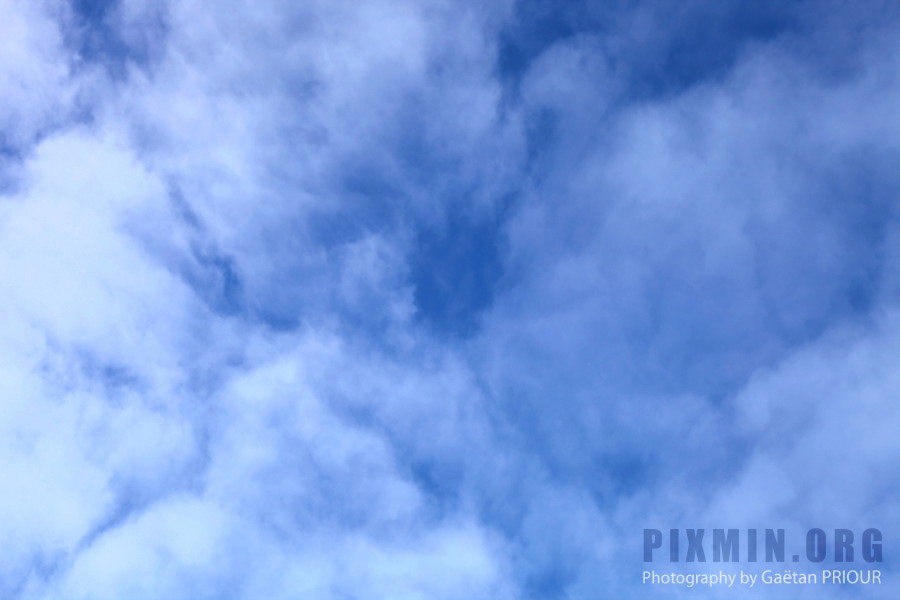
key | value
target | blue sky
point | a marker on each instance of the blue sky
(440, 300)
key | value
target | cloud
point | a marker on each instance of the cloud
(34, 73)
(436, 300)
(673, 248)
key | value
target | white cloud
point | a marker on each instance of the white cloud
(675, 268)
(34, 72)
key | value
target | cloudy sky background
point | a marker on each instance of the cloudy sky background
(440, 299)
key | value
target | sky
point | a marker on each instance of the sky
(441, 299)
